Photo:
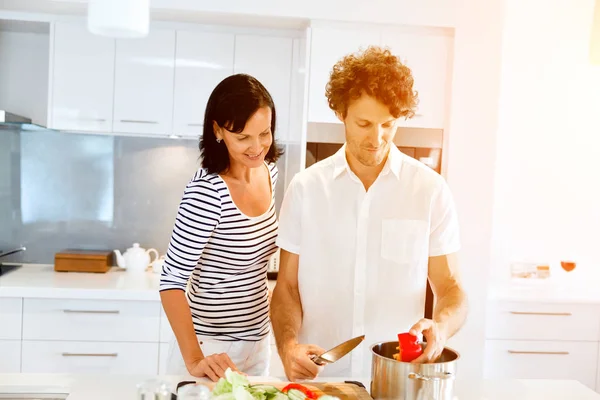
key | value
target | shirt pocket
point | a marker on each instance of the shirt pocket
(404, 241)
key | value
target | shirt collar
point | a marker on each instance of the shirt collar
(393, 162)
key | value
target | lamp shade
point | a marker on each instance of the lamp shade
(119, 18)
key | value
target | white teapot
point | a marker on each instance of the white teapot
(135, 258)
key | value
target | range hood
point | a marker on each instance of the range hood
(10, 118)
(10, 121)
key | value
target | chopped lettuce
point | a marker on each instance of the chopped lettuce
(236, 386)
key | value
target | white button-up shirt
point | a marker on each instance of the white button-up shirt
(364, 254)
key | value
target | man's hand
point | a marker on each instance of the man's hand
(297, 363)
(213, 366)
(435, 336)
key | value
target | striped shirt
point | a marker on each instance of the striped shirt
(224, 255)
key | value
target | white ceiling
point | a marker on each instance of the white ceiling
(79, 7)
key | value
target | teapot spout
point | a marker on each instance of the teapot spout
(120, 259)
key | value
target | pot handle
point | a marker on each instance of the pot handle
(442, 377)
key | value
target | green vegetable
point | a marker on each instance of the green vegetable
(236, 386)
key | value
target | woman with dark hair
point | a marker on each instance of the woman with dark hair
(214, 282)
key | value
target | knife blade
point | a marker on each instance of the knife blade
(339, 351)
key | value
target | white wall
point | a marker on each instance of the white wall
(547, 198)
(472, 141)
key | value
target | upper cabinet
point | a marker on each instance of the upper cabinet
(144, 71)
(202, 60)
(427, 52)
(82, 80)
(269, 59)
(328, 46)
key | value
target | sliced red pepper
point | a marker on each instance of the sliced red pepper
(408, 347)
(307, 392)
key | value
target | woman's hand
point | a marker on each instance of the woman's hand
(213, 366)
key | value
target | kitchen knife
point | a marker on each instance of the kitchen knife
(338, 351)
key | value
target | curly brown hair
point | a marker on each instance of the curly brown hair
(377, 73)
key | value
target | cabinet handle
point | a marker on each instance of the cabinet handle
(557, 314)
(195, 124)
(134, 121)
(558, 353)
(90, 354)
(92, 311)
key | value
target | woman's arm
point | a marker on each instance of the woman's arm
(197, 217)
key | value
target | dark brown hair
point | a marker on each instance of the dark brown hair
(231, 104)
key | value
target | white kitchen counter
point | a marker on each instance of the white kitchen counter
(41, 281)
(560, 289)
(123, 387)
(34, 281)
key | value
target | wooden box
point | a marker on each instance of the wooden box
(83, 261)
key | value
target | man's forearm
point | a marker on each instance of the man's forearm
(286, 316)
(451, 310)
(178, 312)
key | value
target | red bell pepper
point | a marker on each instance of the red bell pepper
(307, 392)
(408, 347)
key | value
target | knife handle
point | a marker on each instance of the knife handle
(317, 360)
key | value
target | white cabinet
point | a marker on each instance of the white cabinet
(10, 356)
(529, 359)
(202, 60)
(536, 340)
(10, 318)
(163, 354)
(90, 320)
(268, 59)
(428, 57)
(82, 80)
(144, 72)
(427, 52)
(89, 357)
(328, 46)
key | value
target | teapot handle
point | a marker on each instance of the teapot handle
(155, 253)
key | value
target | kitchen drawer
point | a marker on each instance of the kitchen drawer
(166, 333)
(542, 321)
(90, 357)
(10, 318)
(90, 320)
(10, 356)
(542, 360)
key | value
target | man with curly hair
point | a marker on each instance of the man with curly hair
(362, 232)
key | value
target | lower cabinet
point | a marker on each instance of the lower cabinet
(527, 359)
(10, 356)
(89, 357)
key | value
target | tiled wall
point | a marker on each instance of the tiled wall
(65, 190)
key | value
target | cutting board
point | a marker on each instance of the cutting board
(341, 390)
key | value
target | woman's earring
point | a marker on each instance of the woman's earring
(218, 140)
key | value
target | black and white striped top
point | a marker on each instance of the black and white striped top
(224, 255)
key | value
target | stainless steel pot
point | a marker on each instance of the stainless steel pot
(397, 380)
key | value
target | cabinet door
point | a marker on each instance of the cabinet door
(428, 57)
(203, 59)
(514, 359)
(10, 356)
(11, 310)
(268, 59)
(328, 46)
(82, 80)
(144, 71)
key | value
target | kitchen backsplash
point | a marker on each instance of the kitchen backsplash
(66, 190)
